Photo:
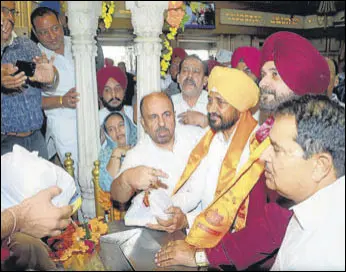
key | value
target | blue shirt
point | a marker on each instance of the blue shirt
(22, 111)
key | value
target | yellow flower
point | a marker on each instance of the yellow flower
(173, 30)
(170, 36)
(164, 65)
(166, 57)
(163, 73)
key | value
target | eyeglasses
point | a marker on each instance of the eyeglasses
(7, 12)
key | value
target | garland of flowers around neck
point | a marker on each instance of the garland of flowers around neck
(176, 19)
(107, 13)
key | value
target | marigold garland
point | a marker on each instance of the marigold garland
(176, 19)
(79, 241)
(107, 13)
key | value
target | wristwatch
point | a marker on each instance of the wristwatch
(201, 258)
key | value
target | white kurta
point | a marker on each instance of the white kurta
(199, 191)
(61, 135)
(147, 153)
(181, 106)
(315, 236)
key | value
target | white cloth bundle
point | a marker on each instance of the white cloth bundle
(23, 174)
(139, 215)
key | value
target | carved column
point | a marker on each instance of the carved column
(147, 21)
(83, 21)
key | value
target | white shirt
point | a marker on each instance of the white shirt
(164, 82)
(199, 191)
(315, 236)
(147, 153)
(181, 106)
(128, 110)
(61, 135)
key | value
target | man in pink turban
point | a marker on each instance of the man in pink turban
(111, 85)
(290, 67)
(248, 60)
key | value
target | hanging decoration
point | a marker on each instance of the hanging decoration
(176, 18)
(107, 13)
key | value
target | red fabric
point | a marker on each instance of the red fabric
(5, 251)
(269, 44)
(251, 56)
(261, 237)
(300, 65)
(179, 52)
(264, 130)
(212, 64)
(110, 72)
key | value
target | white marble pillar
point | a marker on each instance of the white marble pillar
(83, 20)
(147, 21)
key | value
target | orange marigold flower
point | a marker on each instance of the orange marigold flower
(174, 17)
(175, 4)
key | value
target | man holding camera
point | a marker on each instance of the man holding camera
(21, 111)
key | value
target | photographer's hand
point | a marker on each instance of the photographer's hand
(11, 82)
(45, 70)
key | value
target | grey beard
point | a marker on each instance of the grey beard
(272, 106)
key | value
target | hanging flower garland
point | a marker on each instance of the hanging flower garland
(107, 13)
(176, 19)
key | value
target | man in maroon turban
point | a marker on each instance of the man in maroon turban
(248, 60)
(111, 85)
(291, 67)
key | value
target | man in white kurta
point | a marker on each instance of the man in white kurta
(161, 156)
(61, 134)
(228, 115)
(191, 104)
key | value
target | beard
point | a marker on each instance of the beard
(225, 124)
(110, 107)
(270, 105)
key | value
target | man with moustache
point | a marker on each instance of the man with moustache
(169, 84)
(218, 190)
(162, 154)
(191, 104)
(59, 107)
(21, 112)
(111, 85)
(291, 67)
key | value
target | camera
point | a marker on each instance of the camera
(27, 67)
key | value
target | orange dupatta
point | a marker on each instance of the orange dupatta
(229, 205)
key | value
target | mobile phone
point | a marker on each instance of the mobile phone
(27, 67)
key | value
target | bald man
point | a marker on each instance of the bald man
(160, 158)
